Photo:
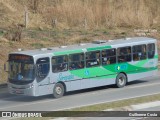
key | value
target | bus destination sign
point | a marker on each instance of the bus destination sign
(19, 57)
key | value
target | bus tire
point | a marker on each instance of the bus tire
(58, 90)
(121, 80)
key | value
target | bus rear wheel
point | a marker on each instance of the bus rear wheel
(58, 90)
(121, 80)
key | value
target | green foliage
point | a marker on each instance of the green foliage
(84, 32)
(117, 104)
(1, 33)
(44, 39)
(33, 35)
(37, 45)
(106, 32)
(11, 43)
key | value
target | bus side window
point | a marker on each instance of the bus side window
(109, 56)
(60, 63)
(124, 54)
(139, 52)
(151, 50)
(92, 58)
(76, 61)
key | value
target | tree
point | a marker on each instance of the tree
(35, 4)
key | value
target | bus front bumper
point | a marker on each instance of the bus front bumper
(27, 90)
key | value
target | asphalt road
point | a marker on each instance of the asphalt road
(144, 87)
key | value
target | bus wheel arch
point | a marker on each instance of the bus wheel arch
(121, 80)
(59, 89)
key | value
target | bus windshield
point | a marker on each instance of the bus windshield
(21, 68)
(21, 71)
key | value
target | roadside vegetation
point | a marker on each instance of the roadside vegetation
(122, 105)
(119, 105)
(34, 24)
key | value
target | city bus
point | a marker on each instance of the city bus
(57, 70)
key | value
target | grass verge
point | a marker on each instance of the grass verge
(93, 109)
(118, 104)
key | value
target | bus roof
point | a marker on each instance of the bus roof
(82, 46)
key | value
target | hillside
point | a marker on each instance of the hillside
(73, 13)
(61, 22)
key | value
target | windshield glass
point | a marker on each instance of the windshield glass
(21, 67)
(21, 71)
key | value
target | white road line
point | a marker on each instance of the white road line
(106, 101)
(86, 94)
(30, 104)
(112, 90)
(145, 105)
(144, 85)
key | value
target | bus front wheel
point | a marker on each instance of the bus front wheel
(121, 80)
(58, 90)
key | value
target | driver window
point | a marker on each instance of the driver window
(42, 68)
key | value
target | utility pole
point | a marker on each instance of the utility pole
(26, 17)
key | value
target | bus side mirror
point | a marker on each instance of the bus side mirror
(6, 67)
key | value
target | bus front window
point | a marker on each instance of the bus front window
(21, 70)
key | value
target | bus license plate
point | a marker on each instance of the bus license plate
(18, 91)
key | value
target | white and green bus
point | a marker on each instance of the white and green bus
(67, 68)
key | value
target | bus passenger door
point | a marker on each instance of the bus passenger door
(42, 75)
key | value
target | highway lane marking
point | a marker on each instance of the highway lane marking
(80, 105)
(30, 103)
(143, 85)
(83, 94)
(95, 92)
(146, 105)
(118, 89)
(105, 102)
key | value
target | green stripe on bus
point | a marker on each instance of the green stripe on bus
(110, 71)
(91, 72)
(68, 52)
(156, 56)
(98, 48)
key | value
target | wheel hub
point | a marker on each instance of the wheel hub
(58, 90)
(121, 81)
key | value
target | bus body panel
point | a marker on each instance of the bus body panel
(28, 90)
(89, 77)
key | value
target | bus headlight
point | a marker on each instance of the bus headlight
(31, 86)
